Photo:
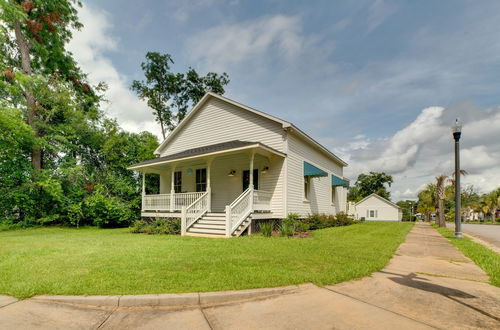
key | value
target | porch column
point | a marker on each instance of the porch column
(172, 190)
(209, 187)
(143, 183)
(252, 156)
(251, 186)
(143, 189)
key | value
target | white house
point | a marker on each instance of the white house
(376, 208)
(226, 165)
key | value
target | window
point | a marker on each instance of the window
(177, 182)
(307, 187)
(371, 213)
(333, 194)
(201, 179)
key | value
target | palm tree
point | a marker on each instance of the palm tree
(441, 195)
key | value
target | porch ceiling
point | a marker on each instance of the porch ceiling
(205, 151)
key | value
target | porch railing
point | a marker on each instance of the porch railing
(163, 202)
(238, 211)
(194, 211)
(160, 202)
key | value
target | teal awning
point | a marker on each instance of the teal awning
(311, 170)
(338, 182)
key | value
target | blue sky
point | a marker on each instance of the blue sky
(378, 82)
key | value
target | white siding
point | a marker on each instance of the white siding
(218, 121)
(384, 210)
(320, 200)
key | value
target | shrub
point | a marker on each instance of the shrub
(287, 229)
(289, 224)
(320, 221)
(157, 226)
(266, 228)
(106, 211)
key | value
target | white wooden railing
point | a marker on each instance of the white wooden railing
(186, 199)
(194, 211)
(262, 200)
(238, 211)
(160, 202)
(163, 202)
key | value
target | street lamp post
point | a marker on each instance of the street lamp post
(457, 131)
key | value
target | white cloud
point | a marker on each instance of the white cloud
(378, 13)
(419, 152)
(89, 47)
(252, 42)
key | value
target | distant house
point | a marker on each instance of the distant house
(376, 208)
(226, 165)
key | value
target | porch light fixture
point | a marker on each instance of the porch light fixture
(265, 169)
(231, 173)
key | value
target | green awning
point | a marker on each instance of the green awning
(338, 182)
(311, 170)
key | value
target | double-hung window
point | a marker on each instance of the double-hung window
(201, 179)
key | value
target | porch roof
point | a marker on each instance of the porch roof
(213, 149)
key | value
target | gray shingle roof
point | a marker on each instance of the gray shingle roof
(199, 151)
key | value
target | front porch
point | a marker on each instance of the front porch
(216, 180)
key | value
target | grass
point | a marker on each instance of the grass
(91, 261)
(484, 257)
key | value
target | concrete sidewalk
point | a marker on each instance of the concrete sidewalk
(428, 284)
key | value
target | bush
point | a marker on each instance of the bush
(320, 221)
(287, 230)
(106, 211)
(288, 224)
(157, 226)
(266, 228)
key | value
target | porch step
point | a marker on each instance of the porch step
(210, 221)
(209, 225)
(207, 231)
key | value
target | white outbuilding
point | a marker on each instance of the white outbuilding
(376, 208)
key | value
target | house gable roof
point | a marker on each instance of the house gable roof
(285, 124)
(380, 198)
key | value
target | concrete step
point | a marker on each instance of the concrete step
(208, 226)
(213, 219)
(206, 231)
(205, 235)
(214, 214)
(210, 221)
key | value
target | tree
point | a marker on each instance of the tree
(441, 195)
(171, 94)
(427, 201)
(34, 35)
(367, 184)
(408, 207)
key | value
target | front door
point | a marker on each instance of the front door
(246, 179)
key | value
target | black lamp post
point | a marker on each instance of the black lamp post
(457, 131)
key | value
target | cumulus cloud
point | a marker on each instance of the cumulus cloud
(423, 149)
(89, 47)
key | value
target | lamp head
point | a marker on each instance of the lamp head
(456, 130)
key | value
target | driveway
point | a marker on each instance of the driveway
(488, 233)
(428, 284)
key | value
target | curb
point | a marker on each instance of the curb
(482, 242)
(173, 299)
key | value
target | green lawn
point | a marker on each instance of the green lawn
(484, 257)
(90, 261)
